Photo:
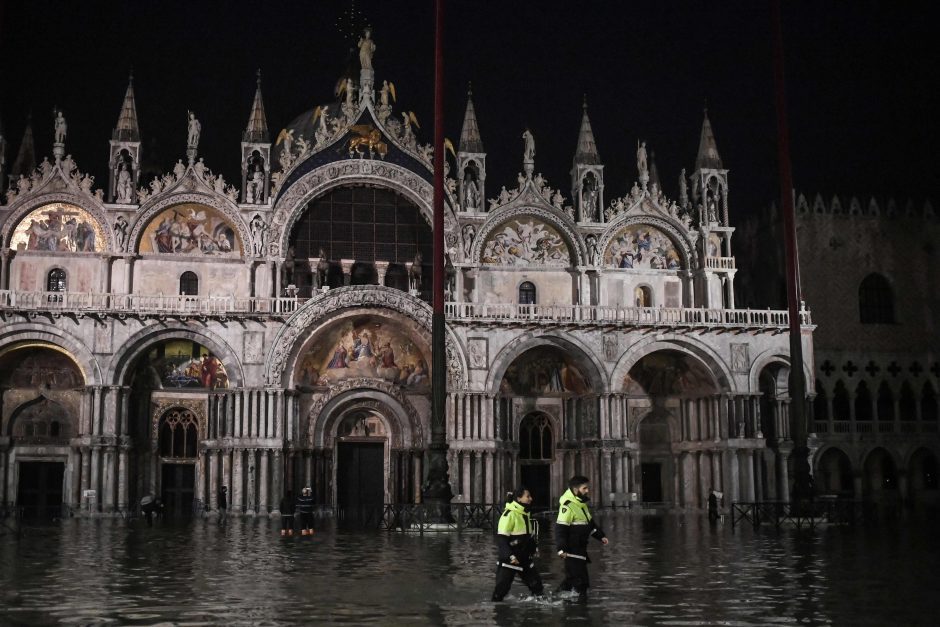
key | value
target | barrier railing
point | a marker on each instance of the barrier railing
(806, 514)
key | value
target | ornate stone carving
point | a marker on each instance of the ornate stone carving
(358, 297)
(24, 205)
(161, 406)
(739, 359)
(576, 246)
(156, 205)
(681, 240)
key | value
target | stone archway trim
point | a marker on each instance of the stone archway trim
(30, 203)
(55, 339)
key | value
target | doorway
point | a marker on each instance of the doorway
(652, 482)
(39, 494)
(538, 479)
(360, 489)
(178, 483)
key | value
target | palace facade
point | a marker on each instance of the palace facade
(170, 336)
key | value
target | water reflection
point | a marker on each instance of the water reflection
(674, 570)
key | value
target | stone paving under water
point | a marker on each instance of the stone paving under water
(668, 570)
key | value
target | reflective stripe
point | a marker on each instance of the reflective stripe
(505, 565)
(578, 522)
(577, 557)
(562, 522)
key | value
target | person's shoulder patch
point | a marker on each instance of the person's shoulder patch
(564, 510)
(566, 502)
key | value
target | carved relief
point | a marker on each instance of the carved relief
(254, 347)
(478, 353)
(739, 359)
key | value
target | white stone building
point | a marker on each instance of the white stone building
(171, 338)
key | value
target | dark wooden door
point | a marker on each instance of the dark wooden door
(39, 493)
(179, 481)
(360, 489)
(652, 483)
(538, 479)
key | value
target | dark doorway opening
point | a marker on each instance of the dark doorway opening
(39, 495)
(360, 489)
(652, 483)
(179, 481)
(538, 479)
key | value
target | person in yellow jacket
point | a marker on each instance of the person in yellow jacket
(572, 530)
(517, 544)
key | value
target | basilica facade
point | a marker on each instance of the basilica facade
(168, 337)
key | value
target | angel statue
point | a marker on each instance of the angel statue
(366, 49)
(194, 129)
(641, 160)
(387, 88)
(287, 138)
(529, 152)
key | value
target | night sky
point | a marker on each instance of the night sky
(859, 74)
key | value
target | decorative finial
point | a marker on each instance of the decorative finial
(258, 74)
(584, 104)
(469, 89)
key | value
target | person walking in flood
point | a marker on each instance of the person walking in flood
(305, 509)
(573, 528)
(287, 514)
(223, 505)
(517, 544)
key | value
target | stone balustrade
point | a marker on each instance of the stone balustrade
(720, 263)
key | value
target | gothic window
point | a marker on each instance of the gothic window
(189, 284)
(928, 403)
(527, 293)
(908, 404)
(643, 296)
(820, 403)
(875, 300)
(862, 402)
(840, 403)
(535, 438)
(885, 403)
(178, 433)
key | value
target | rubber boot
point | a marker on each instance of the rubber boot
(283, 532)
(290, 532)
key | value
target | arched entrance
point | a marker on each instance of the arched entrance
(42, 389)
(880, 479)
(671, 394)
(361, 442)
(536, 453)
(178, 437)
(834, 474)
(924, 478)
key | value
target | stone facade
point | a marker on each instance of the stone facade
(196, 335)
(870, 273)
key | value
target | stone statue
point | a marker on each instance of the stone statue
(471, 195)
(219, 184)
(257, 227)
(194, 129)
(450, 277)
(366, 49)
(414, 274)
(120, 232)
(557, 199)
(528, 153)
(68, 165)
(350, 92)
(179, 169)
(257, 184)
(61, 128)
(383, 94)
(469, 233)
(323, 269)
(641, 163)
(200, 168)
(593, 255)
(125, 189)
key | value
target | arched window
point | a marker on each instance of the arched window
(535, 438)
(875, 300)
(527, 293)
(885, 403)
(862, 402)
(643, 296)
(189, 284)
(56, 281)
(840, 402)
(178, 433)
(928, 403)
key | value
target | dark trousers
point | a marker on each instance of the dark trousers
(306, 520)
(287, 522)
(576, 575)
(504, 577)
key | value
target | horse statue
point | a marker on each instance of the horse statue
(414, 274)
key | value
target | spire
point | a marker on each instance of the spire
(708, 158)
(127, 129)
(470, 140)
(587, 149)
(26, 158)
(257, 129)
(654, 172)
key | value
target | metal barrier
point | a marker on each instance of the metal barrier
(807, 514)
(421, 517)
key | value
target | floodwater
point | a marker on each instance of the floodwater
(669, 570)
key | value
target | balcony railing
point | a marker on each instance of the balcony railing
(721, 263)
(822, 427)
(633, 316)
(89, 302)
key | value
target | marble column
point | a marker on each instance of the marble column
(5, 256)
(264, 505)
(381, 268)
(347, 265)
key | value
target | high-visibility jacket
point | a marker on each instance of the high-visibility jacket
(575, 525)
(514, 534)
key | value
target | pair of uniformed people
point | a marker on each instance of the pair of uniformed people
(517, 542)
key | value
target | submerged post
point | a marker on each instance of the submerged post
(802, 489)
(436, 490)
